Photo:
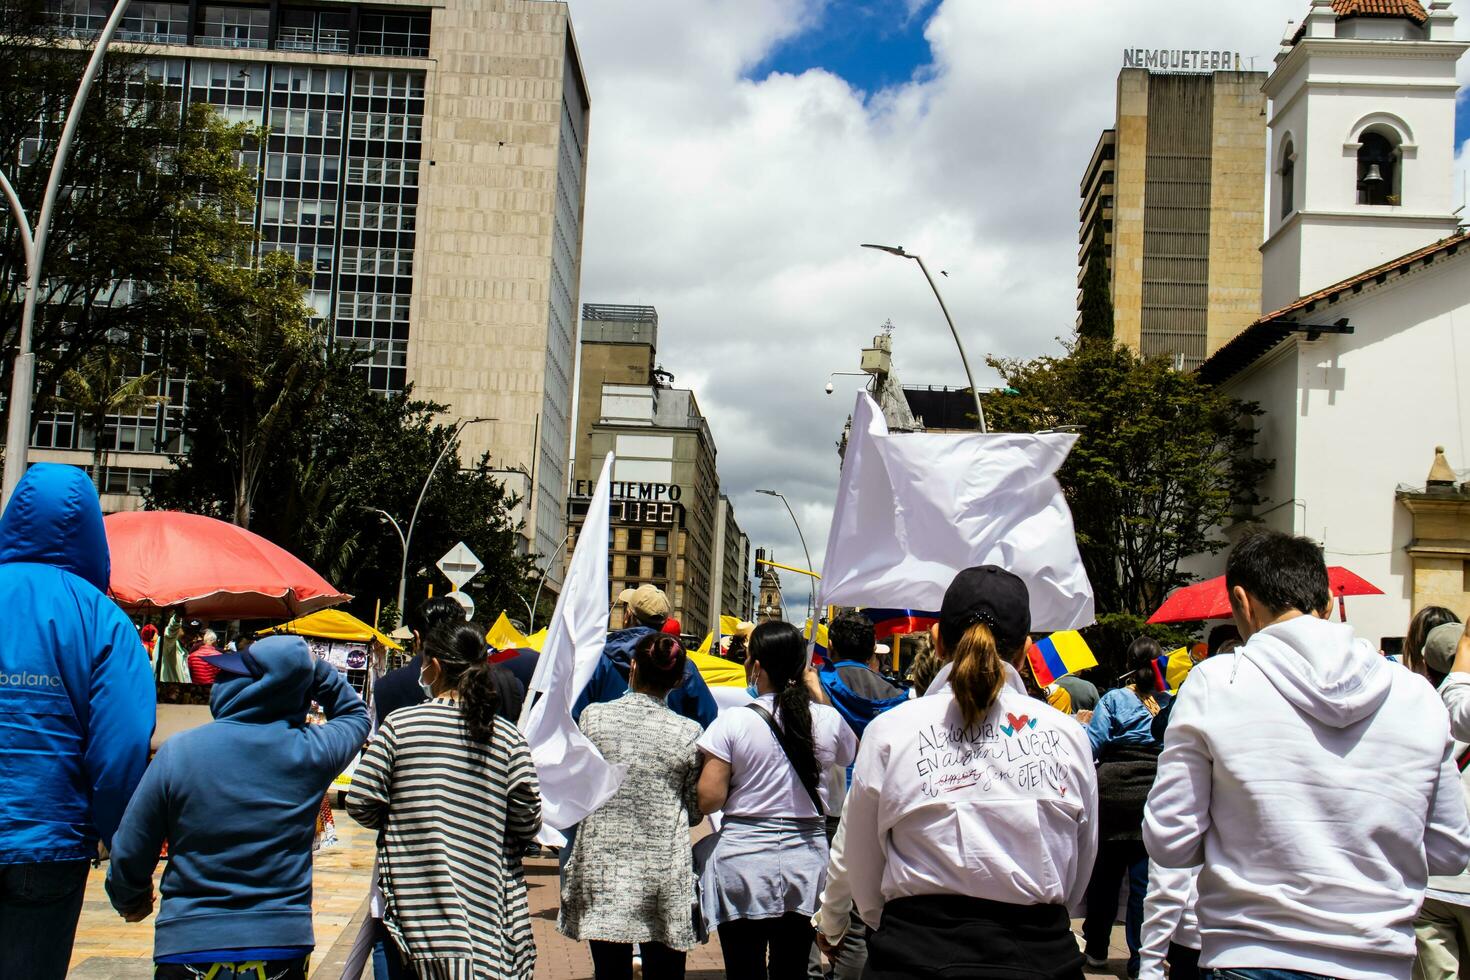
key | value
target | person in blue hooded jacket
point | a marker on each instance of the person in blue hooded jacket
(648, 607)
(76, 714)
(237, 799)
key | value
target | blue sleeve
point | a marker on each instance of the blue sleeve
(607, 684)
(120, 722)
(692, 699)
(139, 840)
(1099, 729)
(334, 744)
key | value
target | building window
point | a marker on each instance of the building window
(1378, 169)
(1288, 180)
(313, 30)
(395, 35)
(235, 27)
(157, 23)
(635, 539)
(660, 540)
(661, 568)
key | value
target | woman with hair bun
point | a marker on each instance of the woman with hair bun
(451, 789)
(970, 824)
(630, 877)
(763, 769)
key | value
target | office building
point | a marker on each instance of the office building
(1174, 190)
(671, 527)
(428, 163)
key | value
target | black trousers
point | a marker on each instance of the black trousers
(1183, 962)
(40, 904)
(955, 937)
(614, 961)
(747, 944)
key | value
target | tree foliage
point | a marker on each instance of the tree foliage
(151, 201)
(107, 382)
(1096, 321)
(1162, 465)
(346, 452)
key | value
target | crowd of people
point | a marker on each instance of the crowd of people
(1295, 810)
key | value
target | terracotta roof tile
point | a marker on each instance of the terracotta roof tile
(1411, 9)
(1261, 336)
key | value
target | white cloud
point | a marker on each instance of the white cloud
(736, 206)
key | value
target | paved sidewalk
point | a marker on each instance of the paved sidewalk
(108, 948)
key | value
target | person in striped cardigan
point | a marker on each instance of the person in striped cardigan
(452, 791)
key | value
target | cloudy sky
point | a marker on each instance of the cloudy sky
(742, 149)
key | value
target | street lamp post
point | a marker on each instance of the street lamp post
(402, 568)
(811, 603)
(544, 572)
(33, 245)
(407, 538)
(964, 360)
(845, 374)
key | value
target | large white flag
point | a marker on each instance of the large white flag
(913, 509)
(575, 778)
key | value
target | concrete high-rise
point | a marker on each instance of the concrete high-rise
(1175, 190)
(671, 526)
(427, 161)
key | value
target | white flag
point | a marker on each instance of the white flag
(914, 509)
(575, 778)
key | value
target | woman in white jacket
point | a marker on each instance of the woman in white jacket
(970, 824)
(1442, 930)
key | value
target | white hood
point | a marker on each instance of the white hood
(1322, 669)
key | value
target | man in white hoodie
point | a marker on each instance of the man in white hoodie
(1312, 779)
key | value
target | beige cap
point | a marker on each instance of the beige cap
(648, 602)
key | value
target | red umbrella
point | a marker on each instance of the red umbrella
(1208, 599)
(212, 569)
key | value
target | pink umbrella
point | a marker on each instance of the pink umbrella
(1208, 599)
(209, 568)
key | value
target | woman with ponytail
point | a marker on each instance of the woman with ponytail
(970, 823)
(630, 877)
(763, 768)
(450, 787)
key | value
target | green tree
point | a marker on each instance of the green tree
(151, 195)
(1162, 465)
(104, 384)
(348, 453)
(1096, 321)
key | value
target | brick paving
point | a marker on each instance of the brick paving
(108, 948)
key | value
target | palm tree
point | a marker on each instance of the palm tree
(101, 387)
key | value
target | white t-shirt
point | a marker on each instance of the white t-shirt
(762, 780)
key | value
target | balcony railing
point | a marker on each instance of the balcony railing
(213, 41)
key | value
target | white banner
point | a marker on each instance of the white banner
(575, 779)
(914, 509)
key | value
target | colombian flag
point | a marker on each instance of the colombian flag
(1059, 655)
(819, 641)
(1172, 668)
(888, 622)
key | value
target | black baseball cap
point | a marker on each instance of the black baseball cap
(986, 594)
(239, 662)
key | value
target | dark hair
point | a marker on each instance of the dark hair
(439, 610)
(1423, 623)
(851, 637)
(1142, 653)
(1280, 571)
(781, 651)
(660, 658)
(460, 650)
(1221, 635)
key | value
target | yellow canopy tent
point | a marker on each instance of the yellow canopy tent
(334, 624)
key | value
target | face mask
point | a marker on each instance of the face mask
(751, 689)
(424, 685)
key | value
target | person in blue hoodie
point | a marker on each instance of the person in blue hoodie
(76, 714)
(237, 800)
(648, 607)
